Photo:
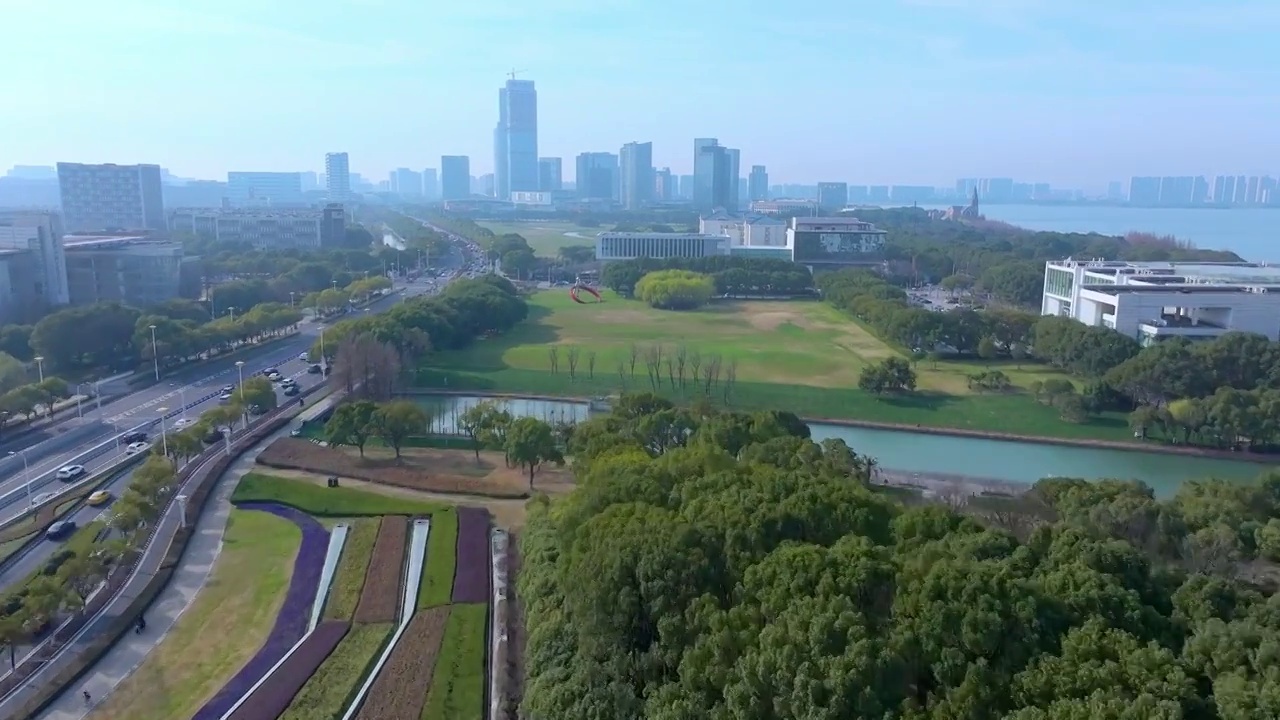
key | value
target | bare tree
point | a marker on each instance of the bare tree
(591, 364)
(708, 374)
(695, 362)
(622, 374)
(553, 354)
(682, 356)
(717, 365)
(572, 355)
(364, 367)
(730, 379)
(671, 372)
(633, 351)
(651, 360)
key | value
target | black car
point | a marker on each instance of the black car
(60, 529)
(213, 436)
(133, 437)
(291, 390)
(313, 369)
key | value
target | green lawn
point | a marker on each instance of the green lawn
(326, 501)
(801, 356)
(348, 579)
(457, 686)
(223, 628)
(437, 575)
(335, 683)
(546, 237)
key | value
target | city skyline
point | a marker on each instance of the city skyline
(934, 89)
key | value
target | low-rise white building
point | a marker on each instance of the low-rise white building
(745, 230)
(264, 228)
(632, 245)
(1151, 301)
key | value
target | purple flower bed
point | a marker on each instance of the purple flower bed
(471, 572)
(272, 698)
(291, 623)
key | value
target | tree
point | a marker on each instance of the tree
(476, 420)
(12, 634)
(889, 375)
(531, 442)
(396, 421)
(351, 424)
(987, 348)
(257, 391)
(675, 289)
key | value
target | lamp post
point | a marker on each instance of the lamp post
(182, 394)
(232, 312)
(155, 354)
(164, 433)
(40, 364)
(240, 374)
(291, 294)
(26, 471)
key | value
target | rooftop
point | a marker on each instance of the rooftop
(660, 235)
(1190, 273)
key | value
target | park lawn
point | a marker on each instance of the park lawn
(225, 625)
(437, 574)
(800, 356)
(326, 501)
(546, 237)
(336, 681)
(457, 686)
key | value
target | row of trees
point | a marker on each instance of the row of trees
(675, 289)
(355, 423)
(714, 565)
(732, 275)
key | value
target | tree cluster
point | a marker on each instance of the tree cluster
(19, 396)
(675, 289)
(680, 369)
(890, 375)
(355, 423)
(734, 276)
(525, 442)
(725, 566)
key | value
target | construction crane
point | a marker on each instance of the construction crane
(513, 72)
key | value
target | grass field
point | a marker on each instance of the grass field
(457, 688)
(437, 574)
(801, 356)
(223, 628)
(546, 237)
(325, 501)
(336, 682)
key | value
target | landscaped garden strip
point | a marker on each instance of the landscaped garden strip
(274, 696)
(437, 578)
(344, 594)
(337, 541)
(325, 501)
(457, 686)
(400, 690)
(291, 624)
(381, 595)
(471, 576)
(335, 682)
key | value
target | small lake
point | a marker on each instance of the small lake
(1019, 462)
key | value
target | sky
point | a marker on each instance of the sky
(1072, 92)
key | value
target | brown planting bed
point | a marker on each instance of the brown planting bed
(380, 599)
(400, 691)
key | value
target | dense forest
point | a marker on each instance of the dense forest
(723, 566)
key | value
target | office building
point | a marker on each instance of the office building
(430, 185)
(752, 230)
(1115, 190)
(264, 189)
(1151, 301)
(337, 177)
(455, 177)
(597, 176)
(997, 190)
(310, 181)
(715, 175)
(515, 145)
(40, 235)
(833, 195)
(20, 301)
(1144, 190)
(632, 245)
(406, 183)
(550, 175)
(111, 197)
(758, 184)
(835, 242)
(125, 268)
(195, 194)
(265, 228)
(664, 185)
(636, 182)
(735, 182)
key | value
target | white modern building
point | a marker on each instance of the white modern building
(111, 197)
(39, 233)
(745, 230)
(632, 245)
(264, 228)
(1152, 301)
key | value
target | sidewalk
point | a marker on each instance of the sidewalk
(193, 571)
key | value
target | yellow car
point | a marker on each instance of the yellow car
(102, 497)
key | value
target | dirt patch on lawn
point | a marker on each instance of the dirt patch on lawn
(380, 597)
(454, 472)
(400, 691)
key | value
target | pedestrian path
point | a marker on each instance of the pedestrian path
(193, 571)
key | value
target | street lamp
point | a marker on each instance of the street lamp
(40, 364)
(155, 354)
(291, 294)
(26, 471)
(164, 433)
(240, 374)
(182, 394)
(232, 312)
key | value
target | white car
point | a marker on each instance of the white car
(42, 498)
(224, 396)
(70, 472)
(182, 422)
(136, 448)
(302, 357)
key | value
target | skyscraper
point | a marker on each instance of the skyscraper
(550, 174)
(406, 183)
(455, 177)
(515, 140)
(597, 176)
(715, 177)
(100, 197)
(430, 184)
(664, 185)
(735, 179)
(758, 184)
(337, 176)
(833, 195)
(636, 183)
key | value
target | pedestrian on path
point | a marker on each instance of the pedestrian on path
(88, 699)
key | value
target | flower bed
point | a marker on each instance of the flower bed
(274, 696)
(335, 682)
(457, 686)
(437, 572)
(381, 596)
(348, 580)
(471, 575)
(400, 690)
(291, 623)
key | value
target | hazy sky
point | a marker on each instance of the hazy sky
(1073, 92)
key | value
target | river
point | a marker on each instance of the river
(1015, 462)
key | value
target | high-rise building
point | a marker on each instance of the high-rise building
(40, 234)
(664, 185)
(310, 181)
(337, 176)
(684, 188)
(406, 183)
(550, 175)
(455, 177)
(102, 197)
(430, 184)
(758, 184)
(515, 140)
(636, 182)
(735, 179)
(264, 189)
(833, 195)
(488, 185)
(597, 176)
(715, 176)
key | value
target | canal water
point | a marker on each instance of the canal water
(1019, 462)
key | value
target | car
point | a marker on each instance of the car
(136, 447)
(70, 472)
(270, 371)
(288, 381)
(183, 422)
(313, 369)
(228, 389)
(60, 529)
(99, 498)
(303, 356)
(133, 437)
(224, 397)
(274, 377)
(213, 436)
(291, 390)
(42, 498)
